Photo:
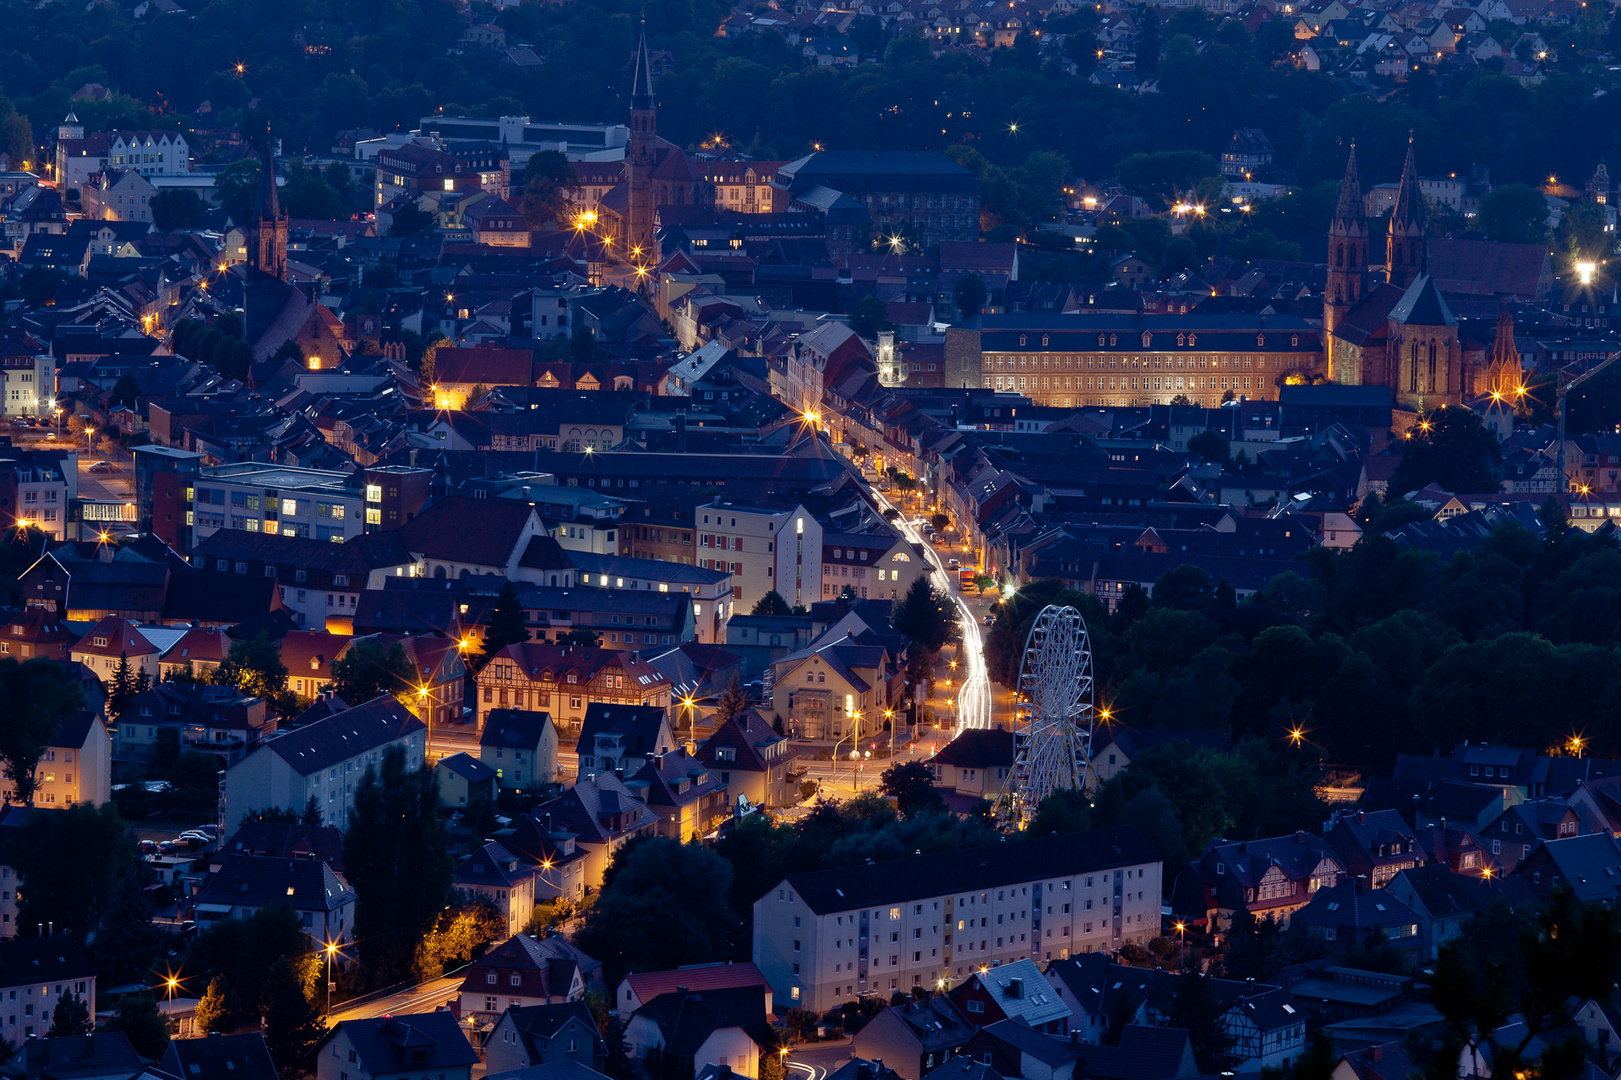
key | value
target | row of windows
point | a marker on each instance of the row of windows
(1217, 362)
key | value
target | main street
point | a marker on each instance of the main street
(421, 998)
(974, 696)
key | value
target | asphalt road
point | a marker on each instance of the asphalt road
(422, 998)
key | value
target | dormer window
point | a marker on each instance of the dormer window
(100, 642)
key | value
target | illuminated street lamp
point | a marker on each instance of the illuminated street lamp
(331, 949)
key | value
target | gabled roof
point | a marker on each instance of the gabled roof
(515, 727)
(482, 532)
(699, 978)
(104, 1053)
(977, 748)
(259, 880)
(1350, 904)
(287, 841)
(467, 767)
(1422, 305)
(687, 1020)
(343, 735)
(639, 725)
(1020, 991)
(113, 637)
(220, 1057)
(399, 1044)
(54, 958)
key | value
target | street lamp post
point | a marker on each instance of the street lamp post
(1182, 942)
(331, 950)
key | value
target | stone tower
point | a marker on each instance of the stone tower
(1504, 375)
(1347, 253)
(267, 245)
(70, 128)
(640, 159)
(1407, 250)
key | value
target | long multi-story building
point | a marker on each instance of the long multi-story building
(830, 936)
(325, 760)
(922, 189)
(564, 679)
(765, 550)
(293, 501)
(1073, 361)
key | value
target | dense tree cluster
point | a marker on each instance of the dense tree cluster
(1367, 652)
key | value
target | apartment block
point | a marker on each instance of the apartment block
(825, 937)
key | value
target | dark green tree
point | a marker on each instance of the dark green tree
(733, 701)
(1210, 444)
(869, 316)
(911, 785)
(72, 893)
(1452, 448)
(254, 667)
(1514, 214)
(925, 617)
(368, 669)
(772, 603)
(240, 954)
(507, 624)
(71, 1016)
(36, 697)
(175, 209)
(236, 189)
(292, 1026)
(581, 636)
(125, 390)
(969, 296)
(1148, 39)
(550, 188)
(142, 1024)
(1198, 1009)
(662, 905)
(127, 944)
(411, 221)
(395, 855)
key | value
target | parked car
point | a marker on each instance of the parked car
(103, 467)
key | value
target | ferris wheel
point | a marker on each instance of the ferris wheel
(1052, 713)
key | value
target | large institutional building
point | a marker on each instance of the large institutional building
(831, 936)
(1087, 360)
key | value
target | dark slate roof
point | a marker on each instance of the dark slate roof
(467, 767)
(287, 841)
(1079, 333)
(686, 1020)
(962, 1067)
(978, 748)
(257, 880)
(551, 1070)
(492, 866)
(106, 1053)
(545, 1021)
(1144, 1053)
(639, 724)
(341, 736)
(846, 887)
(1352, 905)
(1422, 305)
(1044, 1048)
(392, 1044)
(1440, 892)
(482, 532)
(218, 1057)
(514, 727)
(213, 597)
(56, 958)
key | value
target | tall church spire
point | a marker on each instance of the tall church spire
(641, 87)
(1350, 209)
(1347, 262)
(1406, 247)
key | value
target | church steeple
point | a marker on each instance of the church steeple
(640, 159)
(1407, 250)
(267, 252)
(1347, 257)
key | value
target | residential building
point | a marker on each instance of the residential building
(199, 653)
(36, 488)
(34, 972)
(495, 874)
(975, 765)
(458, 536)
(765, 550)
(34, 631)
(285, 840)
(684, 1030)
(1589, 866)
(150, 153)
(830, 936)
(28, 386)
(639, 987)
(564, 680)
(463, 780)
(292, 501)
(915, 1038)
(319, 582)
(526, 971)
(240, 1057)
(520, 746)
(750, 760)
(600, 815)
(1016, 990)
(836, 688)
(621, 739)
(689, 800)
(88, 582)
(710, 589)
(195, 716)
(76, 767)
(324, 760)
(1374, 846)
(107, 1056)
(881, 565)
(1442, 900)
(244, 884)
(1524, 826)
(552, 850)
(308, 656)
(1351, 912)
(544, 1034)
(396, 1048)
(1273, 878)
(112, 642)
(118, 195)
(1008, 1048)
